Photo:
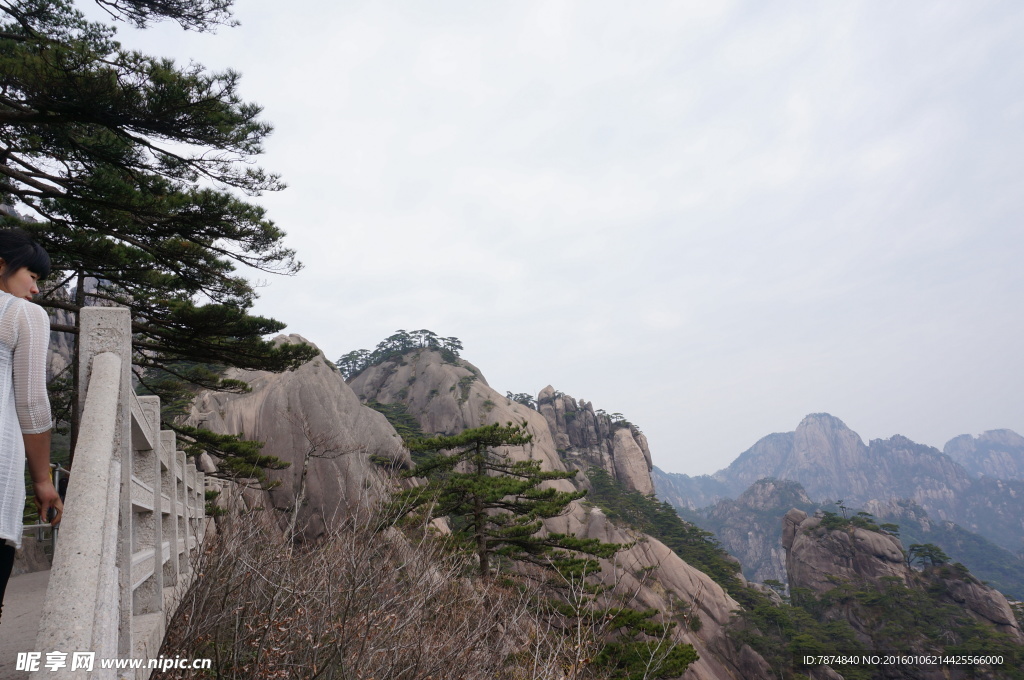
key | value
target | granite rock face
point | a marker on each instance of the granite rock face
(748, 527)
(816, 556)
(585, 437)
(661, 580)
(819, 559)
(447, 398)
(290, 410)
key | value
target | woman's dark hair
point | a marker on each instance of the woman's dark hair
(19, 250)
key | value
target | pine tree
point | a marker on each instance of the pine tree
(496, 504)
(140, 169)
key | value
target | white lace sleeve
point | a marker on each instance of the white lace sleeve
(30, 355)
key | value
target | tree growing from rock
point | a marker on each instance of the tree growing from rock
(926, 554)
(496, 505)
(401, 341)
(524, 398)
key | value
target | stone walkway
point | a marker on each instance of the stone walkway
(22, 605)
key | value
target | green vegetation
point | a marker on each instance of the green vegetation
(991, 563)
(638, 640)
(926, 554)
(237, 457)
(495, 505)
(400, 609)
(398, 415)
(523, 398)
(463, 386)
(783, 634)
(775, 632)
(213, 509)
(136, 167)
(862, 520)
(657, 518)
(921, 618)
(357, 361)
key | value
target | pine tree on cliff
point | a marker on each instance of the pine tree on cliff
(495, 504)
(139, 167)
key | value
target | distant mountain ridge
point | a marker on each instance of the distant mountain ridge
(996, 453)
(831, 462)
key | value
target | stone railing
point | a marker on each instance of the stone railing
(133, 517)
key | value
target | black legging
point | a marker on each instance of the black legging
(6, 565)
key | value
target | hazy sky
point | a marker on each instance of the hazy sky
(713, 218)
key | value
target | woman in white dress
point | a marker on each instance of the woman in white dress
(24, 406)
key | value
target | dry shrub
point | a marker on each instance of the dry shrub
(368, 602)
(364, 603)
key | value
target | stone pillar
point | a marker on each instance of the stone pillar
(201, 505)
(109, 329)
(183, 509)
(168, 445)
(148, 596)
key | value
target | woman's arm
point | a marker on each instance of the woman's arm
(33, 404)
(30, 356)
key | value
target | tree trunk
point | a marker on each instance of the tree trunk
(75, 411)
(300, 498)
(480, 517)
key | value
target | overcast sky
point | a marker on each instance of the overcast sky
(714, 218)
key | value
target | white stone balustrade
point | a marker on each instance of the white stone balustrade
(133, 517)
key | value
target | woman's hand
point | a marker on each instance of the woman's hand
(47, 498)
(37, 451)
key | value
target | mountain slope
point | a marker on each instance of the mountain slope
(851, 571)
(449, 396)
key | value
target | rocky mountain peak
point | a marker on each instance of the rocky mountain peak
(748, 527)
(1002, 437)
(820, 450)
(822, 421)
(768, 494)
(818, 556)
(822, 437)
(586, 437)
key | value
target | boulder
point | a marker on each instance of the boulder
(309, 413)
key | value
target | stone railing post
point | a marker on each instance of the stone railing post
(148, 525)
(182, 501)
(169, 503)
(80, 611)
(109, 329)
